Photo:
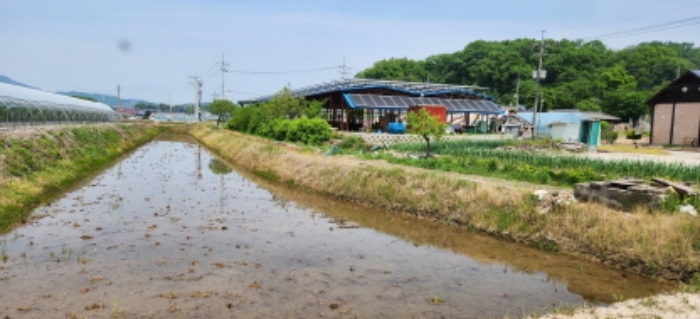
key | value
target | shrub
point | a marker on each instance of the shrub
(312, 131)
(352, 142)
(610, 136)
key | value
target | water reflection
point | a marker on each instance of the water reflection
(595, 282)
(159, 236)
(218, 167)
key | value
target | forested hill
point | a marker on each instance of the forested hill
(583, 75)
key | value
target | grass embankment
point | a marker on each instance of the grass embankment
(36, 164)
(658, 245)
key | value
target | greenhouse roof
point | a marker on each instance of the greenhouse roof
(417, 89)
(19, 96)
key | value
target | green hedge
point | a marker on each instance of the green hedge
(257, 121)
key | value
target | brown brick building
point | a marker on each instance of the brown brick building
(675, 112)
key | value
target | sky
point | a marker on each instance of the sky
(151, 49)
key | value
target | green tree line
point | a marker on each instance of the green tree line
(582, 75)
(162, 107)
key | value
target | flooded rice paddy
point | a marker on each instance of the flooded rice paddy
(172, 232)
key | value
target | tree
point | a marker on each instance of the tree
(576, 70)
(590, 104)
(426, 125)
(626, 105)
(402, 69)
(222, 108)
(315, 109)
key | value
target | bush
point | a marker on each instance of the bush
(352, 142)
(610, 136)
(240, 119)
(607, 133)
(308, 131)
(632, 135)
(311, 131)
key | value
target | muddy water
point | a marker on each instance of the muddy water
(171, 232)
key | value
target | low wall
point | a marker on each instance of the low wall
(389, 139)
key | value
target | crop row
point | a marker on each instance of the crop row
(588, 169)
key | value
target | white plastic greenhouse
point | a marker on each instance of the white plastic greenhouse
(23, 106)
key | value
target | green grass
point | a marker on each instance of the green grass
(38, 169)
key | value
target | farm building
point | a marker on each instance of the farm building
(570, 125)
(369, 105)
(675, 112)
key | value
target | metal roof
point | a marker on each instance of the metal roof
(670, 93)
(17, 96)
(547, 118)
(375, 101)
(411, 88)
(594, 115)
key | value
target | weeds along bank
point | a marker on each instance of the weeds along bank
(39, 163)
(663, 246)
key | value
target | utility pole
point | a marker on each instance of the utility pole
(119, 99)
(223, 72)
(517, 93)
(538, 74)
(198, 95)
(344, 70)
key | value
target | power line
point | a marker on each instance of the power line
(630, 18)
(344, 70)
(653, 28)
(212, 71)
(282, 72)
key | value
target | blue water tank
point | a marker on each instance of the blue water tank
(396, 128)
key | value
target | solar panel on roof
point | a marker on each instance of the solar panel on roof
(374, 101)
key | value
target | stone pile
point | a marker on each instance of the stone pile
(628, 193)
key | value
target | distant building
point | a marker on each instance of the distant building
(570, 125)
(125, 110)
(367, 105)
(675, 112)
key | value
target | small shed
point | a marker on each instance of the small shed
(567, 126)
(513, 124)
(675, 112)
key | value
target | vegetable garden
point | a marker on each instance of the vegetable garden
(484, 158)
